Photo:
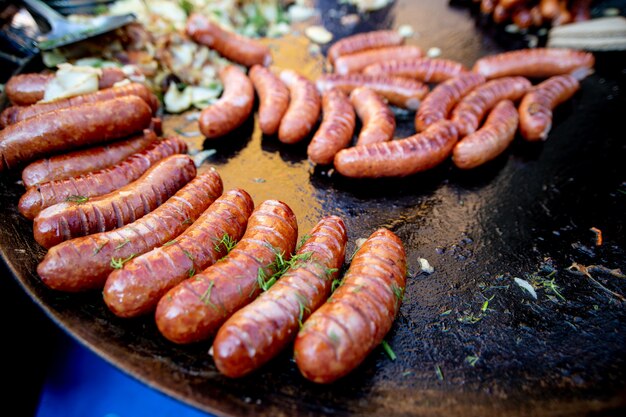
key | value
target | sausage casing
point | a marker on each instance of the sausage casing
(357, 62)
(377, 119)
(273, 98)
(430, 70)
(304, 108)
(363, 41)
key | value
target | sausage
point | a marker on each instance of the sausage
(364, 41)
(581, 10)
(522, 17)
(487, 6)
(336, 130)
(68, 220)
(304, 108)
(564, 16)
(535, 110)
(100, 182)
(135, 89)
(71, 127)
(549, 9)
(137, 287)
(195, 308)
(430, 70)
(490, 140)
(273, 98)
(27, 89)
(234, 106)
(230, 45)
(260, 330)
(85, 263)
(73, 164)
(439, 102)
(536, 63)
(358, 61)
(475, 105)
(500, 14)
(399, 158)
(341, 333)
(378, 122)
(398, 91)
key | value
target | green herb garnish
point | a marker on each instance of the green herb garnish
(77, 199)
(388, 350)
(118, 263)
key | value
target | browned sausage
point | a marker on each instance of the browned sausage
(354, 321)
(260, 330)
(535, 63)
(378, 122)
(474, 106)
(490, 140)
(82, 217)
(564, 16)
(304, 108)
(399, 91)
(356, 62)
(439, 102)
(73, 164)
(363, 41)
(237, 48)
(581, 10)
(430, 70)
(487, 6)
(522, 17)
(72, 127)
(84, 263)
(535, 110)
(234, 106)
(549, 9)
(195, 308)
(510, 4)
(336, 130)
(137, 288)
(273, 98)
(399, 158)
(500, 14)
(100, 182)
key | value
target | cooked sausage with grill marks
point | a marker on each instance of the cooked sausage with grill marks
(429, 70)
(273, 98)
(364, 41)
(304, 108)
(378, 121)
(357, 62)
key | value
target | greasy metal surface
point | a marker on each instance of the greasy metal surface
(552, 356)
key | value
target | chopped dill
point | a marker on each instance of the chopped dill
(227, 242)
(77, 199)
(471, 360)
(191, 272)
(206, 297)
(438, 373)
(171, 242)
(97, 249)
(118, 263)
(388, 350)
(334, 338)
(121, 245)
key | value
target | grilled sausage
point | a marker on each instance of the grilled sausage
(399, 158)
(364, 41)
(273, 98)
(536, 63)
(234, 106)
(549, 9)
(357, 62)
(195, 308)
(84, 263)
(304, 108)
(378, 122)
(100, 182)
(341, 333)
(535, 110)
(475, 105)
(260, 330)
(439, 102)
(401, 92)
(65, 129)
(430, 70)
(230, 45)
(490, 140)
(336, 130)
(68, 220)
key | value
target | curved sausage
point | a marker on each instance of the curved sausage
(336, 130)
(363, 41)
(402, 92)
(357, 62)
(195, 308)
(490, 140)
(341, 333)
(378, 121)
(137, 288)
(439, 102)
(100, 182)
(66, 221)
(535, 110)
(399, 158)
(273, 98)
(430, 70)
(230, 45)
(475, 105)
(304, 108)
(260, 330)
(234, 106)
(535, 63)
(72, 127)
(84, 263)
